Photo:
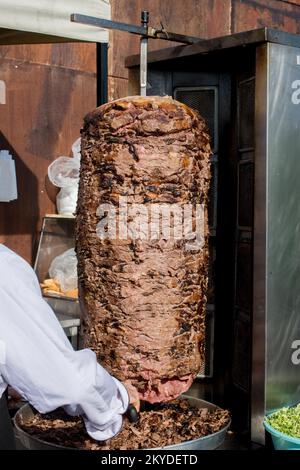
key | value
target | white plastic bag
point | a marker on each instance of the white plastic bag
(63, 268)
(66, 200)
(64, 173)
(76, 147)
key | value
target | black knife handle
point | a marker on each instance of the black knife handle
(132, 414)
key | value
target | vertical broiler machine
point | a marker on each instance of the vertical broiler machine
(247, 87)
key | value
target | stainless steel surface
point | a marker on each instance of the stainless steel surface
(26, 440)
(143, 66)
(259, 249)
(153, 33)
(67, 321)
(276, 319)
(213, 441)
(245, 38)
(283, 226)
(64, 305)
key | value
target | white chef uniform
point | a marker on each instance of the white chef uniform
(37, 359)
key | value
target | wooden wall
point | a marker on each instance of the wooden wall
(202, 18)
(49, 88)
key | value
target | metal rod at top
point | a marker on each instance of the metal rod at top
(143, 53)
(152, 33)
(145, 19)
(144, 31)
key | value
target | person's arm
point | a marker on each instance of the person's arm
(41, 364)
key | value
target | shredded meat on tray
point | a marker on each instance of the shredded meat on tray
(165, 424)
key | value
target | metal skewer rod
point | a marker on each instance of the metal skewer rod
(144, 31)
(143, 54)
(152, 33)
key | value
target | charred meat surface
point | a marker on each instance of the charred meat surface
(143, 298)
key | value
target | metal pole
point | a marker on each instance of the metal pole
(152, 33)
(143, 54)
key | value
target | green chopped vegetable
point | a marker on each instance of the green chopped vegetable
(286, 420)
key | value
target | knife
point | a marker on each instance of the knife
(132, 414)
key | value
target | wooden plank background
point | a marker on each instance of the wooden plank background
(49, 88)
(202, 18)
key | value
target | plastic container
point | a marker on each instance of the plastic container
(8, 181)
(282, 441)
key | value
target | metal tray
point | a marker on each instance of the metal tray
(212, 441)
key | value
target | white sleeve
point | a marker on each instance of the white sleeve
(40, 362)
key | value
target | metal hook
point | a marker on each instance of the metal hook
(163, 30)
